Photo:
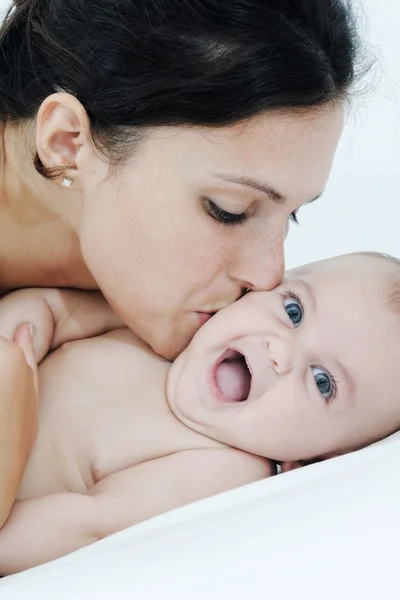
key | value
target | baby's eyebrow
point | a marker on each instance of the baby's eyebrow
(350, 382)
(308, 289)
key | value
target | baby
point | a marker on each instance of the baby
(303, 372)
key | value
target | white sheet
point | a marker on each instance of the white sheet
(328, 531)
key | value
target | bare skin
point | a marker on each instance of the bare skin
(109, 452)
(124, 435)
(148, 234)
(38, 245)
(116, 392)
(76, 237)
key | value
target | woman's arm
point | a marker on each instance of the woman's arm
(18, 413)
(57, 316)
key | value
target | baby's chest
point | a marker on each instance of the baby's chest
(108, 412)
(136, 436)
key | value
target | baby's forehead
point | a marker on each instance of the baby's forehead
(353, 293)
(315, 274)
(332, 266)
(351, 270)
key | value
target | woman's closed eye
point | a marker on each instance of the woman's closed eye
(230, 218)
(223, 216)
(325, 382)
(294, 308)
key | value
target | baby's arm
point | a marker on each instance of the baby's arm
(42, 529)
(57, 316)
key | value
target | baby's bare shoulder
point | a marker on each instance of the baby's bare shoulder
(232, 463)
(216, 470)
(157, 486)
(119, 347)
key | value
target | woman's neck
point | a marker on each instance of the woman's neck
(38, 241)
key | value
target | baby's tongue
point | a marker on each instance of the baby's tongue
(233, 380)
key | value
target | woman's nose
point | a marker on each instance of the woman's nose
(260, 268)
(280, 354)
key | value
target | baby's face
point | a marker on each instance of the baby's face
(307, 370)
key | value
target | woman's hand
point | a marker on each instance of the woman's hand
(18, 412)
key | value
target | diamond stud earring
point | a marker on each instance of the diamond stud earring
(66, 182)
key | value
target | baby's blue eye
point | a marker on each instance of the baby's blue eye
(294, 310)
(324, 382)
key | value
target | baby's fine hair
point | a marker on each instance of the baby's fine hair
(392, 279)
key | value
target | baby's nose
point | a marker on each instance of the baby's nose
(280, 355)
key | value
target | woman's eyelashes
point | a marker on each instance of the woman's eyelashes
(223, 216)
(324, 380)
(230, 218)
(294, 308)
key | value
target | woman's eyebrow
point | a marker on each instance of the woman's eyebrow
(255, 184)
(260, 186)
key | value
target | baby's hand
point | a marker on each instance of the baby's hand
(57, 316)
(22, 309)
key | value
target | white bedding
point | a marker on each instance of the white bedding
(329, 531)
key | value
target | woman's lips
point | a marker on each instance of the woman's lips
(204, 317)
(211, 309)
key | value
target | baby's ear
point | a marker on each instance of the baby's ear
(297, 464)
(291, 465)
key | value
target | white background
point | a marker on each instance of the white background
(361, 207)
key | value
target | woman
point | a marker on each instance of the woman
(156, 149)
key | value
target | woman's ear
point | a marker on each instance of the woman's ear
(62, 134)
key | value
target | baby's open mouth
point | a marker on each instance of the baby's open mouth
(232, 377)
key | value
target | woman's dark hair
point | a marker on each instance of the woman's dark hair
(140, 63)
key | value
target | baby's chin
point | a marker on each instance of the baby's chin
(181, 397)
(171, 386)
